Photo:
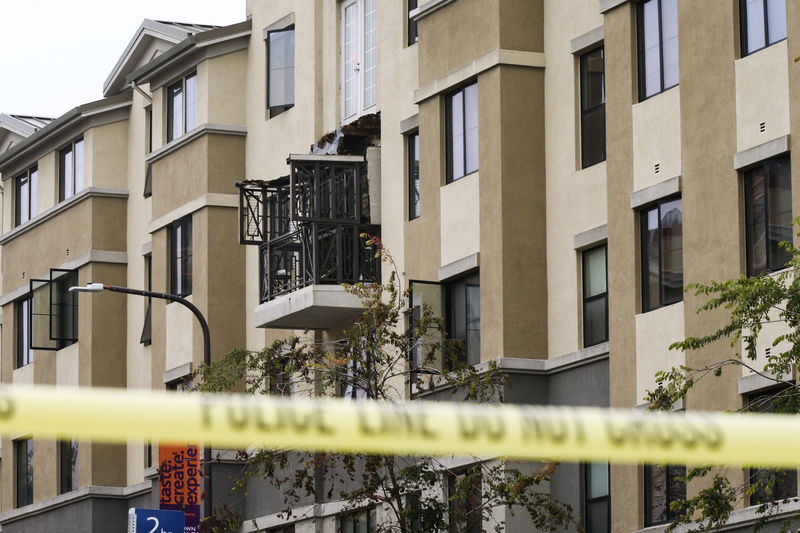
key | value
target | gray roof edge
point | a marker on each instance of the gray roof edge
(171, 33)
(214, 36)
(16, 125)
(73, 114)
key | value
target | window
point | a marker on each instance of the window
(463, 316)
(412, 148)
(280, 70)
(597, 503)
(662, 254)
(26, 196)
(465, 501)
(181, 106)
(146, 337)
(662, 486)
(462, 132)
(658, 46)
(360, 57)
(53, 311)
(593, 108)
(23, 352)
(68, 465)
(768, 215)
(768, 485)
(763, 23)
(181, 257)
(362, 521)
(70, 170)
(595, 296)
(23, 461)
(413, 28)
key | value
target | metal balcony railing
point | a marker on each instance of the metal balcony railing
(308, 225)
(317, 254)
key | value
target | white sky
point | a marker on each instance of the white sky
(56, 54)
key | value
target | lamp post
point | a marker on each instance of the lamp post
(99, 287)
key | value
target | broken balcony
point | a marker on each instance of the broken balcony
(308, 227)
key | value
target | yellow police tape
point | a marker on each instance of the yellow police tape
(414, 428)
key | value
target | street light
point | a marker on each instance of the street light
(99, 287)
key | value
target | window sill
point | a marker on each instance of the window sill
(662, 306)
(748, 54)
(662, 91)
(191, 135)
(454, 180)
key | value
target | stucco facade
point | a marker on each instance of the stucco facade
(186, 115)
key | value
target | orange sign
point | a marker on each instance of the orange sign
(180, 482)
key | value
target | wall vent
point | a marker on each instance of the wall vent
(657, 168)
(762, 127)
(767, 350)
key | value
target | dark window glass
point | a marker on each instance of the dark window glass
(413, 29)
(70, 165)
(181, 257)
(148, 455)
(148, 118)
(595, 297)
(662, 486)
(64, 309)
(280, 70)
(763, 23)
(462, 132)
(26, 196)
(362, 521)
(658, 46)
(593, 108)
(23, 335)
(463, 316)
(465, 501)
(768, 485)
(146, 337)
(181, 107)
(768, 215)
(68, 465)
(412, 144)
(23, 459)
(596, 508)
(662, 254)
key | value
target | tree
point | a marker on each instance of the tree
(751, 303)
(378, 358)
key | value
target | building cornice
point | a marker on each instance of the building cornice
(92, 256)
(44, 216)
(204, 200)
(516, 58)
(28, 150)
(191, 135)
(83, 493)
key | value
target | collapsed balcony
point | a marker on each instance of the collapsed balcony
(308, 227)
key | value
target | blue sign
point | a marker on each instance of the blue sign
(155, 521)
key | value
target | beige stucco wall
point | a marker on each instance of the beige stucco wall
(758, 101)
(222, 101)
(576, 198)
(108, 145)
(460, 218)
(655, 331)
(657, 138)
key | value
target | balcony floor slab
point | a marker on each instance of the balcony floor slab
(316, 307)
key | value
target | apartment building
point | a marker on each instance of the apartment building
(527, 163)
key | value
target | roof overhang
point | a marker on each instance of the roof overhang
(192, 50)
(73, 122)
(152, 36)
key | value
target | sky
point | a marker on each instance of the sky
(56, 54)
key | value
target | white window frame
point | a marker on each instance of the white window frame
(361, 107)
